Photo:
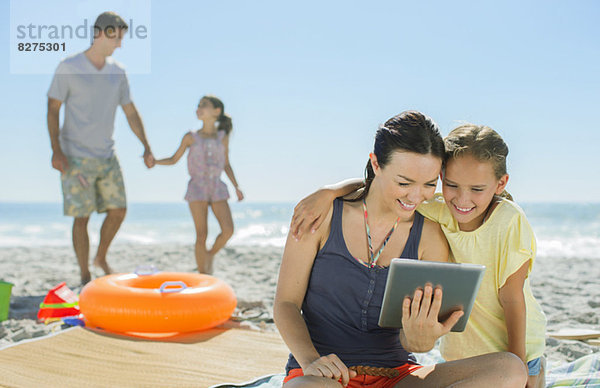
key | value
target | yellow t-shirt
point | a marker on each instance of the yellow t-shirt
(503, 244)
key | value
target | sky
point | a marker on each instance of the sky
(307, 83)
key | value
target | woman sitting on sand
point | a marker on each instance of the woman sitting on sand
(331, 283)
(482, 227)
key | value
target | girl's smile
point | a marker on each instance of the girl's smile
(469, 186)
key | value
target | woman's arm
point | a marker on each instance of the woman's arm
(294, 274)
(187, 141)
(513, 302)
(310, 212)
(229, 170)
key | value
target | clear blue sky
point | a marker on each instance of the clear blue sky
(308, 82)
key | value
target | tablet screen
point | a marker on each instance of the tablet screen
(460, 283)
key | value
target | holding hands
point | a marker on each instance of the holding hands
(149, 160)
(420, 319)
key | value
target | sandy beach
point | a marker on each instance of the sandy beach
(566, 288)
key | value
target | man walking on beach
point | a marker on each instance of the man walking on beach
(91, 85)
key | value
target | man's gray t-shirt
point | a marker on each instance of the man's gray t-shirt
(91, 98)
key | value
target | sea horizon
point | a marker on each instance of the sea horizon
(562, 230)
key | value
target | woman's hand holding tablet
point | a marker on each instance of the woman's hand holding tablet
(420, 319)
(417, 278)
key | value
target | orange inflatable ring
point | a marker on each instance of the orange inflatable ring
(163, 302)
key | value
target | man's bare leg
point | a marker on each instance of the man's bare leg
(81, 245)
(110, 227)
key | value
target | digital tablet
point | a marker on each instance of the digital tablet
(459, 282)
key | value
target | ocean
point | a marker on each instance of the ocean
(562, 230)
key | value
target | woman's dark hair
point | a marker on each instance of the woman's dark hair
(410, 131)
(225, 123)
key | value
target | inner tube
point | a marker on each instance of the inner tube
(164, 302)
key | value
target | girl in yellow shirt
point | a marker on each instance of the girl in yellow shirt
(482, 226)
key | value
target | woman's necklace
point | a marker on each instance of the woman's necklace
(372, 257)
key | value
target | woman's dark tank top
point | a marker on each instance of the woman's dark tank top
(343, 301)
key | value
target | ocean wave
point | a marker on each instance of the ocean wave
(272, 234)
(568, 234)
(569, 247)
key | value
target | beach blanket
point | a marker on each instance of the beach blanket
(582, 373)
(269, 381)
(81, 357)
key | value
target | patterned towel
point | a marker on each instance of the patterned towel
(270, 381)
(583, 372)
